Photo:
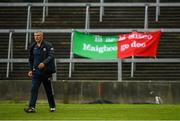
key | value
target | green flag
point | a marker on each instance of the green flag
(95, 46)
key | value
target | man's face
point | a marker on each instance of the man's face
(38, 36)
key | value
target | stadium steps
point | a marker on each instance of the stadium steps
(4, 45)
(13, 17)
(124, 17)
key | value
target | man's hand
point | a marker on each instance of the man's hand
(41, 66)
(30, 74)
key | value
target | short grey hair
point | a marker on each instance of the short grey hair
(39, 32)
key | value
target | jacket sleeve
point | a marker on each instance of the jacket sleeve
(50, 55)
(31, 57)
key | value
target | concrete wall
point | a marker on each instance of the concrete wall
(95, 92)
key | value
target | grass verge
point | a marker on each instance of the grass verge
(14, 111)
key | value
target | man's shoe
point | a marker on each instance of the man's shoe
(29, 110)
(52, 109)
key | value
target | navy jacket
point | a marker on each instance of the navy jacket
(46, 57)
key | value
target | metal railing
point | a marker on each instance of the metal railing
(10, 53)
(119, 61)
(45, 6)
(101, 12)
(157, 10)
(28, 26)
(45, 11)
(72, 60)
(101, 4)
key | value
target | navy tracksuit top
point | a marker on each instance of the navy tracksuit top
(43, 54)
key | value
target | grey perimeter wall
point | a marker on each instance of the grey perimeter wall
(97, 92)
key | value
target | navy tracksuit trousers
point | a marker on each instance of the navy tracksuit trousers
(36, 82)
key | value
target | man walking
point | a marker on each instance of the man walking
(42, 66)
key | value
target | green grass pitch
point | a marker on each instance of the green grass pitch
(14, 111)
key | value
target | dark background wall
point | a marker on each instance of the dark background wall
(89, 92)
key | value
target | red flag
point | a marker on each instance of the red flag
(138, 44)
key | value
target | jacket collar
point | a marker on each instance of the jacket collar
(42, 44)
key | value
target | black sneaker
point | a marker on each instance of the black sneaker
(52, 109)
(29, 110)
